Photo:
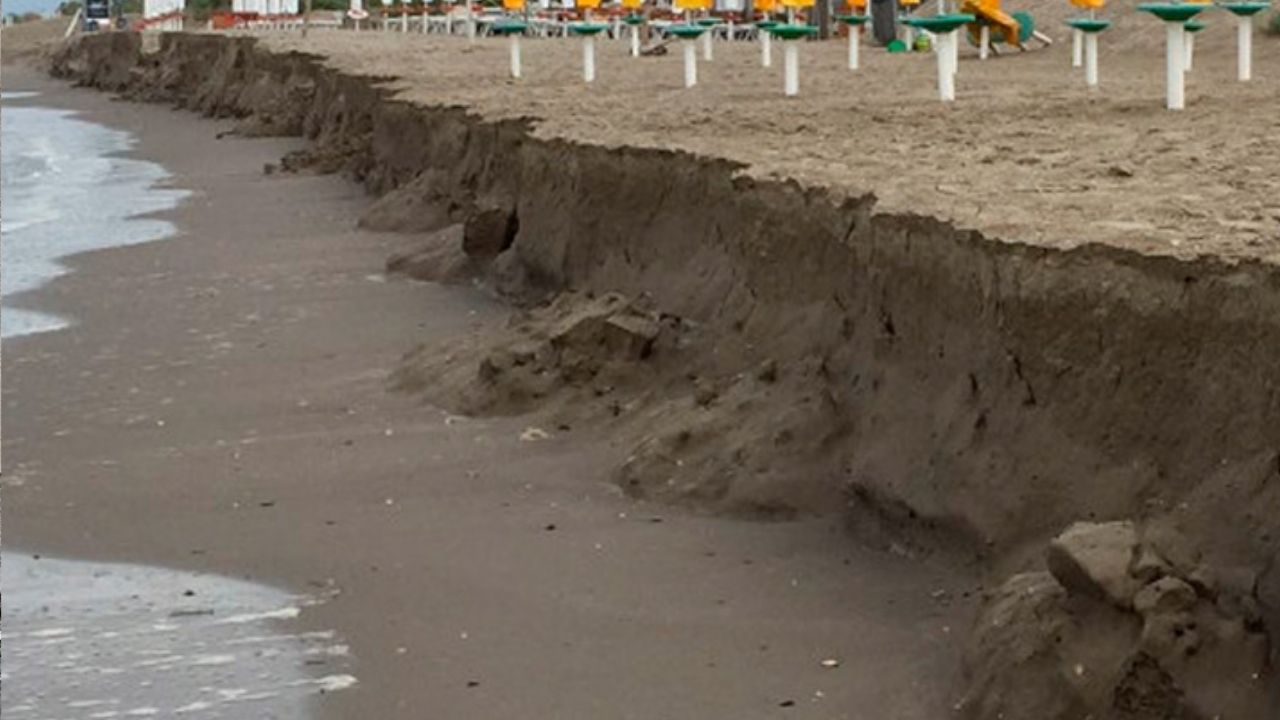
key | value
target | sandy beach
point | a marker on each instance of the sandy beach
(1026, 153)
(220, 406)
(631, 401)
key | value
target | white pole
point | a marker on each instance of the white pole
(766, 48)
(954, 45)
(515, 54)
(635, 41)
(984, 41)
(706, 45)
(853, 47)
(1244, 48)
(404, 17)
(1189, 45)
(1175, 66)
(471, 23)
(690, 63)
(790, 67)
(1077, 47)
(588, 58)
(1091, 59)
(946, 78)
(729, 30)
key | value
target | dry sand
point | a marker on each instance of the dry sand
(220, 407)
(26, 41)
(1026, 153)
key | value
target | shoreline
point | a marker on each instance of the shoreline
(129, 228)
(278, 456)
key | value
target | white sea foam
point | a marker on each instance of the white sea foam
(67, 191)
(284, 613)
(84, 633)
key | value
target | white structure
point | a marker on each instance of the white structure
(690, 50)
(1244, 48)
(946, 54)
(1091, 59)
(268, 7)
(1175, 66)
(790, 68)
(163, 14)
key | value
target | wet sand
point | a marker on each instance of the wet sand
(100, 641)
(221, 407)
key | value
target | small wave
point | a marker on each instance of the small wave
(67, 191)
(285, 613)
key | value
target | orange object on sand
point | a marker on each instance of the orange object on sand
(1004, 23)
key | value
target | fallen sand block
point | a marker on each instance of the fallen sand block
(1188, 647)
(1094, 559)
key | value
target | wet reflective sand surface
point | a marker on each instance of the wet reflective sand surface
(97, 641)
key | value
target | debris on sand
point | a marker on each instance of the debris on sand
(1093, 638)
(533, 434)
(580, 344)
(1094, 559)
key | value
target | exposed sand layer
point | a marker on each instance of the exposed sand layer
(1027, 153)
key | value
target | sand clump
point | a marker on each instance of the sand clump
(713, 442)
(1117, 631)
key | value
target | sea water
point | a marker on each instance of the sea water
(66, 190)
(96, 640)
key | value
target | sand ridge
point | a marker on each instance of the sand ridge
(1026, 154)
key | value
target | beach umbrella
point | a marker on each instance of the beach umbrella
(766, 9)
(791, 33)
(588, 30)
(1244, 12)
(1174, 17)
(633, 21)
(853, 23)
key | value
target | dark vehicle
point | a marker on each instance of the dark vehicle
(97, 14)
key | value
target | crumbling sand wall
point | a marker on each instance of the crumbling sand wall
(767, 348)
(973, 388)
